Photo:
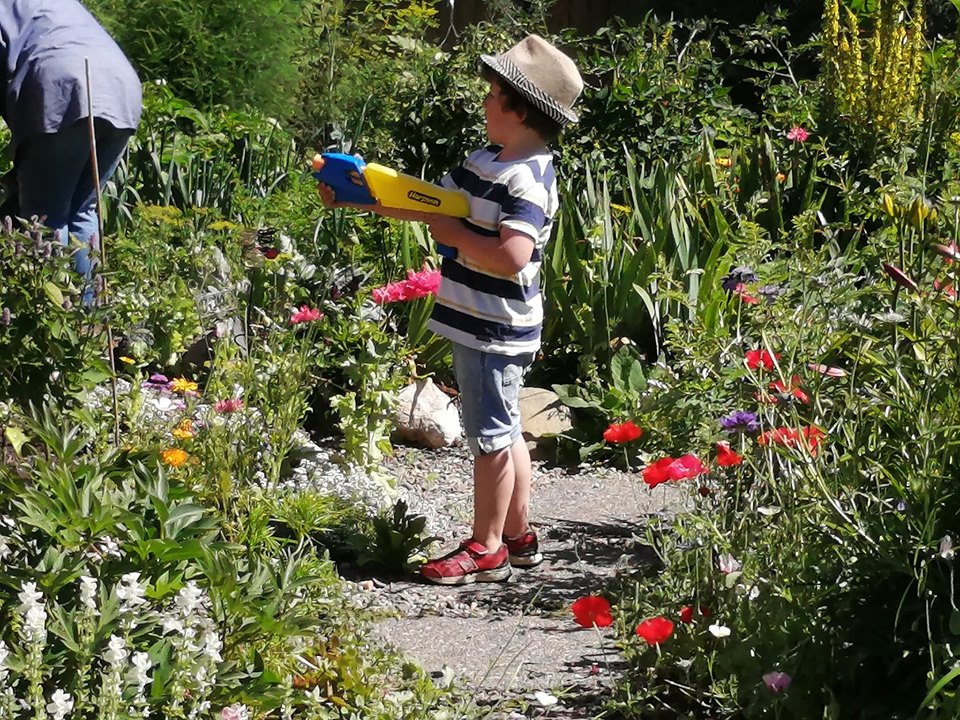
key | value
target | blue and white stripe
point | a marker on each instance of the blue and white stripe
(478, 308)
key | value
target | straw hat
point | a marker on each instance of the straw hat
(542, 74)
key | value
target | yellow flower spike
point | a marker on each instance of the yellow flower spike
(127, 360)
(174, 457)
(183, 385)
(887, 202)
(724, 162)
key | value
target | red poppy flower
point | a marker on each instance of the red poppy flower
(654, 631)
(757, 358)
(592, 610)
(622, 432)
(791, 388)
(269, 253)
(808, 437)
(686, 466)
(727, 457)
(687, 612)
(741, 292)
(668, 468)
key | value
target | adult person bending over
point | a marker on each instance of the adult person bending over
(43, 45)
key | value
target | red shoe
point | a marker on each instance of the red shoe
(469, 563)
(524, 550)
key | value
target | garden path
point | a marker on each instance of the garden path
(504, 642)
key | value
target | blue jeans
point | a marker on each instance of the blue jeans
(55, 175)
(490, 397)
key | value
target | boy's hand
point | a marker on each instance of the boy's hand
(444, 229)
(329, 198)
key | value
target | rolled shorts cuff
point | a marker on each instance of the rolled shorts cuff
(487, 445)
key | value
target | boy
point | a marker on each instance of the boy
(489, 304)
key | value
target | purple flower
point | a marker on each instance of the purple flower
(741, 275)
(157, 382)
(740, 421)
(769, 292)
(777, 681)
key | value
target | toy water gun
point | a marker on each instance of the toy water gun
(362, 183)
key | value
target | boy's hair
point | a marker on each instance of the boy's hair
(533, 117)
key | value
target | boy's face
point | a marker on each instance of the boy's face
(501, 124)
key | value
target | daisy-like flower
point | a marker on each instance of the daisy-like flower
(184, 430)
(230, 405)
(182, 385)
(174, 457)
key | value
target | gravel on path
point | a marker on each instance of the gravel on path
(505, 642)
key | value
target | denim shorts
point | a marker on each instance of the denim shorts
(490, 396)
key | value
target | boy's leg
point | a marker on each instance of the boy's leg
(517, 521)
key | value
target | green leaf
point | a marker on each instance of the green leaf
(53, 292)
(955, 622)
(16, 437)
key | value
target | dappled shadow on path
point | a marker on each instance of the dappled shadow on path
(581, 558)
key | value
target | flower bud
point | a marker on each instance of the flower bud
(888, 205)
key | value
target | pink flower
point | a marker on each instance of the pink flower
(237, 711)
(305, 314)
(229, 405)
(797, 134)
(777, 681)
(417, 285)
(728, 564)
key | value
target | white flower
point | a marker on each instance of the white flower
(545, 698)
(116, 650)
(139, 670)
(719, 631)
(5, 550)
(946, 547)
(34, 624)
(728, 564)
(172, 624)
(60, 704)
(4, 654)
(237, 711)
(212, 646)
(88, 592)
(130, 592)
(189, 599)
(29, 596)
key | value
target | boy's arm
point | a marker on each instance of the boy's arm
(504, 255)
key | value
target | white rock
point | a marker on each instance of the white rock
(426, 416)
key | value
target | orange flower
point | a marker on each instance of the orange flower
(184, 431)
(174, 457)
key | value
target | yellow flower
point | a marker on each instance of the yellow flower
(724, 162)
(183, 385)
(620, 208)
(184, 431)
(174, 457)
(127, 360)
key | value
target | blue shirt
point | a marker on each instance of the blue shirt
(476, 307)
(43, 44)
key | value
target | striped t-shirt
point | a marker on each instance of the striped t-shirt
(478, 308)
